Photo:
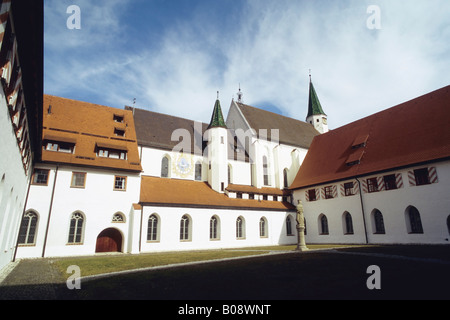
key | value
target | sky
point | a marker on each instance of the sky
(173, 56)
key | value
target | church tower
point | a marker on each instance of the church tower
(217, 135)
(316, 116)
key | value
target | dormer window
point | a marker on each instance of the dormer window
(59, 146)
(119, 132)
(111, 152)
(118, 118)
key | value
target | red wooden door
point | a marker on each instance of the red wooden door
(109, 240)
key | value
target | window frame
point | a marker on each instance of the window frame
(422, 176)
(74, 173)
(372, 185)
(77, 237)
(328, 192)
(34, 177)
(390, 182)
(29, 230)
(124, 188)
(349, 191)
(153, 228)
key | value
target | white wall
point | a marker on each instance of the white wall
(431, 200)
(169, 229)
(13, 186)
(98, 202)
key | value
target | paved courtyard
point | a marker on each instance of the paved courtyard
(401, 272)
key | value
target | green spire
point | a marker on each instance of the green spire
(217, 116)
(314, 107)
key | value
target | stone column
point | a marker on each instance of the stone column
(301, 245)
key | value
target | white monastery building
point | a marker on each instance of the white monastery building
(78, 178)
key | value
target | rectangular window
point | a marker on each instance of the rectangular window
(372, 185)
(328, 192)
(119, 132)
(239, 195)
(78, 179)
(348, 188)
(112, 154)
(118, 118)
(40, 177)
(389, 182)
(421, 176)
(120, 183)
(312, 195)
(57, 146)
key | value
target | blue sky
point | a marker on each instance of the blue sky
(172, 56)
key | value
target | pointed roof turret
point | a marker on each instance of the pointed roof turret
(314, 107)
(217, 116)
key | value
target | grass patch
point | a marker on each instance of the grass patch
(105, 264)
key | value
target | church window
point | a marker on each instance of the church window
(198, 171)
(348, 189)
(152, 228)
(120, 183)
(78, 179)
(165, 163)
(28, 227)
(421, 176)
(414, 223)
(263, 228)
(378, 222)
(372, 185)
(76, 228)
(40, 176)
(265, 171)
(240, 228)
(323, 223)
(348, 223)
(214, 228)
(285, 178)
(185, 227)
(289, 226)
(389, 182)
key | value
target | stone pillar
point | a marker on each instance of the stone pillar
(301, 245)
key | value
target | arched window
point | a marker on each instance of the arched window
(28, 227)
(240, 228)
(263, 228)
(285, 178)
(323, 223)
(76, 228)
(378, 222)
(152, 228)
(118, 217)
(265, 171)
(214, 228)
(289, 226)
(348, 226)
(198, 171)
(413, 221)
(230, 174)
(165, 164)
(185, 227)
(448, 224)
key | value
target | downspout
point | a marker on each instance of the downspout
(362, 209)
(140, 229)
(23, 214)
(50, 212)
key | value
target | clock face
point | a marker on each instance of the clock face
(183, 165)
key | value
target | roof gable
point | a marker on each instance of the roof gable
(413, 132)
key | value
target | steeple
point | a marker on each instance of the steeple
(316, 116)
(217, 116)
(314, 106)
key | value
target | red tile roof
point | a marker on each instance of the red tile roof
(188, 193)
(413, 132)
(88, 126)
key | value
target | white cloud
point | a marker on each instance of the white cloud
(268, 47)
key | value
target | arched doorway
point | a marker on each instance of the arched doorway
(109, 240)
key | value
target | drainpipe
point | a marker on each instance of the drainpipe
(362, 209)
(50, 212)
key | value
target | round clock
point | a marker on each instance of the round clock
(183, 165)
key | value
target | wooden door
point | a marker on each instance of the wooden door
(109, 240)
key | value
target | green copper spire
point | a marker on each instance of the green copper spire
(314, 107)
(217, 116)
